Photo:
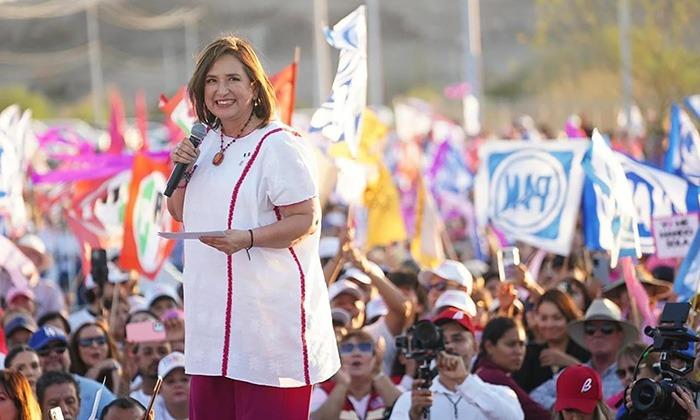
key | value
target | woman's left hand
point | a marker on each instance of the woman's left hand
(232, 241)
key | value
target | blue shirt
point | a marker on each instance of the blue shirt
(88, 389)
(546, 393)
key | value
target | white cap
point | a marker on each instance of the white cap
(334, 219)
(328, 246)
(116, 275)
(34, 242)
(357, 274)
(137, 303)
(170, 362)
(345, 286)
(450, 270)
(341, 315)
(457, 299)
(159, 290)
(376, 307)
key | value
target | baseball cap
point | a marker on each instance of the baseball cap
(15, 292)
(160, 290)
(457, 315)
(345, 286)
(46, 335)
(578, 388)
(341, 317)
(449, 270)
(457, 299)
(116, 275)
(357, 274)
(171, 362)
(19, 321)
(328, 246)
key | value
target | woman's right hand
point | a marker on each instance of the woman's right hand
(184, 152)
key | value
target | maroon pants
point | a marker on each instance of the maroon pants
(220, 398)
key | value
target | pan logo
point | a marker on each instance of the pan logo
(528, 190)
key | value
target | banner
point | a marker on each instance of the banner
(688, 277)
(531, 190)
(426, 244)
(683, 154)
(657, 194)
(179, 110)
(284, 84)
(146, 215)
(339, 118)
(673, 235)
(610, 217)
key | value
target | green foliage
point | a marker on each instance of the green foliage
(40, 105)
(577, 37)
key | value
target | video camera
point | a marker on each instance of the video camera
(653, 399)
(422, 342)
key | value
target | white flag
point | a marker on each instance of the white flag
(340, 116)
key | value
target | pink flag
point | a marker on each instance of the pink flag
(116, 123)
(638, 295)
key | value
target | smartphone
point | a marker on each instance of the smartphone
(98, 263)
(56, 413)
(146, 331)
(601, 268)
(508, 258)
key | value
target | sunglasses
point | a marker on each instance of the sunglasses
(48, 350)
(440, 287)
(606, 329)
(349, 348)
(88, 342)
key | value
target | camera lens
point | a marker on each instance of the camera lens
(427, 334)
(646, 394)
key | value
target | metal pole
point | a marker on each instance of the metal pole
(472, 46)
(191, 43)
(625, 59)
(96, 80)
(374, 38)
(323, 64)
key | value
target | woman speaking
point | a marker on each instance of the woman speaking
(257, 320)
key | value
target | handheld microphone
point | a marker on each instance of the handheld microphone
(196, 135)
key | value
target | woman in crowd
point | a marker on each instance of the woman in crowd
(94, 355)
(360, 389)
(580, 395)
(626, 361)
(17, 401)
(578, 292)
(501, 353)
(555, 310)
(23, 359)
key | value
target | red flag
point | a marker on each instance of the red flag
(284, 84)
(142, 118)
(146, 215)
(179, 109)
(117, 124)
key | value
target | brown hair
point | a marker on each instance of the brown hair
(563, 302)
(361, 335)
(77, 364)
(20, 392)
(601, 412)
(264, 107)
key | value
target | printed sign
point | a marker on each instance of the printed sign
(674, 234)
(531, 191)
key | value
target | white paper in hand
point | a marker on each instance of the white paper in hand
(96, 404)
(191, 235)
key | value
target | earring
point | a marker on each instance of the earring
(256, 102)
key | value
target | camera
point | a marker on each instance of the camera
(422, 342)
(653, 399)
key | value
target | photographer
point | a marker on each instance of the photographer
(454, 393)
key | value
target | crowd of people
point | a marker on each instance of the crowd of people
(520, 347)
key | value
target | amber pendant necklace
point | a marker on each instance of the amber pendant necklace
(219, 156)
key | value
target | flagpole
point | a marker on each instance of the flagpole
(623, 17)
(323, 63)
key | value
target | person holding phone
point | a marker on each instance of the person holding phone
(94, 355)
(258, 328)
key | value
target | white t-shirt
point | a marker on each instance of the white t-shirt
(141, 397)
(380, 329)
(161, 411)
(78, 318)
(266, 321)
(474, 399)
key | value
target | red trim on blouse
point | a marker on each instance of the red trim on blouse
(229, 259)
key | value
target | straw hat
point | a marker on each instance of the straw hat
(603, 310)
(653, 286)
